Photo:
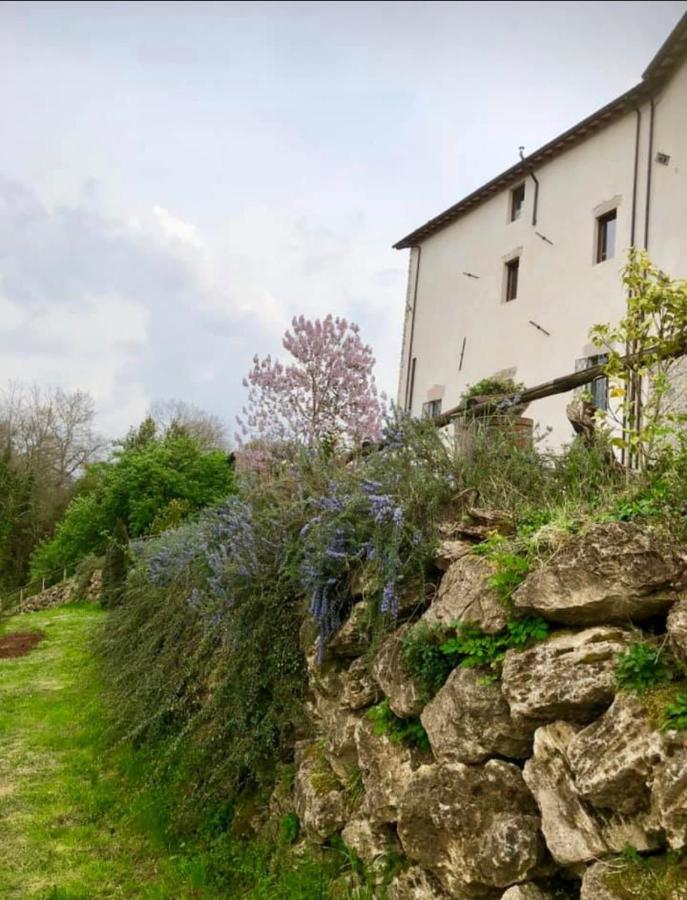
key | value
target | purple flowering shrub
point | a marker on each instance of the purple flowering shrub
(320, 523)
(215, 559)
(203, 653)
(378, 515)
(203, 656)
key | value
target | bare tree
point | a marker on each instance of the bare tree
(50, 430)
(205, 428)
(46, 440)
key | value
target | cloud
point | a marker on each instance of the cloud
(90, 301)
(142, 306)
(177, 228)
(11, 316)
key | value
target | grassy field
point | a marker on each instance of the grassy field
(65, 827)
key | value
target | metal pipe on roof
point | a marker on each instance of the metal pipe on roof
(635, 176)
(650, 154)
(536, 185)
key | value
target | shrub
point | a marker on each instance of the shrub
(407, 731)
(424, 658)
(380, 515)
(115, 566)
(660, 495)
(203, 656)
(289, 828)
(642, 667)
(492, 387)
(146, 487)
(431, 653)
(510, 568)
(675, 714)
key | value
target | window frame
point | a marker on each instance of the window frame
(431, 408)
(512, 282)
(601, 253)
(599, 388)
(515, 213)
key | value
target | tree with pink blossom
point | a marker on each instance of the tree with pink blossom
(326, 393)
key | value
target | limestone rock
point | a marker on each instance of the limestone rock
(359, 688)
(574, 831)
(669, 790)
(468, 721)
(449, 551)
(325, 689)
(483, 523)
(369, 841)
(324, 681)
(570, 676)
(319, 797)
(594, 886)
(473, 827)
(412, 602)
(677, 630)
(615, 572)
(353, 638)
(405, 698)
(386, 769)
(528, 892)
(414, 884)
(465, 595)
(339, 741)
(328, 712)
(612, 759)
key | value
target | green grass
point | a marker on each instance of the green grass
(66, 826)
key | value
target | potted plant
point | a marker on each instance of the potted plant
(505, 420)
(491, 390)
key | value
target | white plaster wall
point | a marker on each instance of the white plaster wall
(560, 287)
(668, 210)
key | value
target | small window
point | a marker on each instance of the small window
(517, 202)
(431, 409)
(512, 269)
(605, 236)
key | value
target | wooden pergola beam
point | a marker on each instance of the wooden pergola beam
(560, 385)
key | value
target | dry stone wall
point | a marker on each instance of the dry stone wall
(534, 782)
(64, 592)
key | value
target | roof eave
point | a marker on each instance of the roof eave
(578, 132)
(670, 53)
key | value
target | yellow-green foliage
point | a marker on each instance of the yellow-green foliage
(634, 877)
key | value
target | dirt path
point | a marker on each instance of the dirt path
(64, 833)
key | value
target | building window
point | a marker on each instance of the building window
(431, 409)
(517, 202)
(512, 269)
(598, 389)
(605, 236)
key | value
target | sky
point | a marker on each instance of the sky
(178, 180)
